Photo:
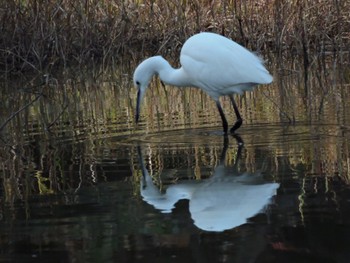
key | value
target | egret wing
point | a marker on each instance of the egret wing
(219, 65)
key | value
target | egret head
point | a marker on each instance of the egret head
(142, 76)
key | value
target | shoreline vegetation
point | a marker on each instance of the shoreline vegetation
(42, 36)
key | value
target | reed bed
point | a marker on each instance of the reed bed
(39, 35)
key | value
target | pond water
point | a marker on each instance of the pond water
(81, 182)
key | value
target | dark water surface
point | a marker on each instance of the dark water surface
(82, 183)
(94, 210)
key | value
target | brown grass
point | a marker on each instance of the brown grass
(42, 35)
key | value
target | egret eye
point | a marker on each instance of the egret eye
(138, 83)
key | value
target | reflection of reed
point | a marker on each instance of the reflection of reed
(53, 167)
(81, 110)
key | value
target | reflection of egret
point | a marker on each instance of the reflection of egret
(224, 201)
(211, 62)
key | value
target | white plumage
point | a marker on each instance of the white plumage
(212, 63)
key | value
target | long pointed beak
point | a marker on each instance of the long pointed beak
(138, 105)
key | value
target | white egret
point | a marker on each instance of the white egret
(212, 63)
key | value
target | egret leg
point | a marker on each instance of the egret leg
(239, 120)
(223, 118)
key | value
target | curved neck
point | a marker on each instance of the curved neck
(169, 75)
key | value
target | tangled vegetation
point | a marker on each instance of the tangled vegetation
(41, 35)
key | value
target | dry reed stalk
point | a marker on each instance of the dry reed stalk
(42, 35)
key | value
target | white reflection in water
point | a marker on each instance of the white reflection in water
(223, 201)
